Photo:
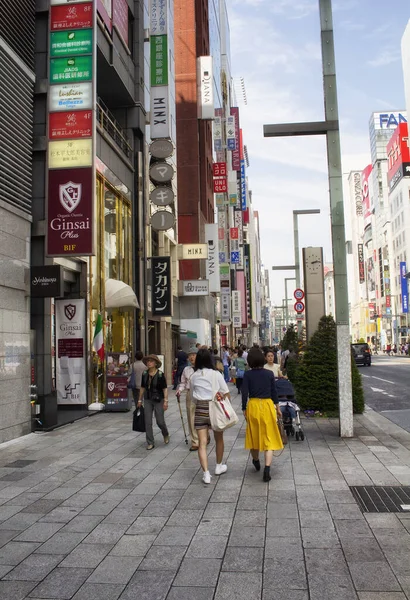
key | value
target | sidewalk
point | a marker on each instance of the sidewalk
(87, 513)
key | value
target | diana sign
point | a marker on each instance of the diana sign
(212, 263)
(205, 82)
(71, 358)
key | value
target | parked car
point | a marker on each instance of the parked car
(361, 354)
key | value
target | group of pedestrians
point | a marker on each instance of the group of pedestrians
(201, 379)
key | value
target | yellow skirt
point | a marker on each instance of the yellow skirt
(262, 432)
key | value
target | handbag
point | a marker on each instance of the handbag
(132, 381)
(221, 413)
(138, 420)
(282, 432)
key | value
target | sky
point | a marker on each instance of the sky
(275, 47)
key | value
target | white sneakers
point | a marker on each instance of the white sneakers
(219, 469)
(206, 477)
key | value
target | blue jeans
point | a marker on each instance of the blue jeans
(226, 373)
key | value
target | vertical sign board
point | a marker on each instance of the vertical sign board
(205, 85)
(212, 263)
(361, 262)
(243, 185)
(404, 288)
(116, 380)
(71, 366)
(160, 90)
(71, 129)
(161, 286)
(236, 157)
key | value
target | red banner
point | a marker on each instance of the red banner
(236, 157)
(398, 155)
(120, 18)
(70, 212)
(104, 8)
(71, 16)
(234, 233)
(68, 125)
(219, 169)
(220, 185)
(365, 191)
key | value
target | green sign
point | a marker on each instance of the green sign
(68, 70)
(159, 60)
(70, 43)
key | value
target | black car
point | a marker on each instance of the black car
(361, 354)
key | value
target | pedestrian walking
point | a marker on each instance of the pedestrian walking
(240, 365)
(226, 361)
(181, 362)
(154, 392)
(185, 386)
(261, 410)
(202, 391)
(138, 368)
(271, 365)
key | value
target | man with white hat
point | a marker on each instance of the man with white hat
(190, 406)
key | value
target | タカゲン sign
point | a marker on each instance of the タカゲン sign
(161, 286)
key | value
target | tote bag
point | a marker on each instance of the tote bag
(221, 413)
(138, 421)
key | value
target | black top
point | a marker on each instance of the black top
(182, 359)
(258, 383)
(154, 386)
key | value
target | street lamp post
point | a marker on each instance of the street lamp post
(330, 128)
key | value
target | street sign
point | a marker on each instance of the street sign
(161, 172)
(299, 307)
(162, 220)
(298, 294)
(162, 195)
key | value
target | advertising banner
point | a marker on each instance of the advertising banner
(236, 156)
(225, 306)
(65, 16)
(68, 125)
(70, 43)
(116, 391)
(159, 60)
(73, 69)
(71, 365)
(236, 302)
(212, 263)
(404, 288)
(120, 18)
(70, 153)
(159, 17)
(194, 287)
(161, 286)
(46, 281)
(70, 212)
(217, 134)
(230, 133)
(160, 114)
(205, 84)
(361, 263)
(69, 97)
(365, 192)
(398, 156)
(243, 185)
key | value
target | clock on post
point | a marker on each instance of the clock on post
(313, 275)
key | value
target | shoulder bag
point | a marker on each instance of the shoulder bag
(132, 381)
(221, 413)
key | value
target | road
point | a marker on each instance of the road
(387, 388)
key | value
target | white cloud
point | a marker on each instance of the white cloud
(386, 57)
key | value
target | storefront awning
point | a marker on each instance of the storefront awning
(119, 295)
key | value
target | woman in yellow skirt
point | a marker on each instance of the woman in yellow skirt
(261, 412)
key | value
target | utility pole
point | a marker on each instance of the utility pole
(330, 128)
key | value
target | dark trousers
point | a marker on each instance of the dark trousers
(239, 381)
(135, 395)
(149, 409)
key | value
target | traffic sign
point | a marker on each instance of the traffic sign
(298, 294)
(299, 307)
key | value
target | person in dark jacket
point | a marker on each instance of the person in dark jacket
(154, 392)
(261, 410)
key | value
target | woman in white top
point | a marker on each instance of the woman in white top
(271, 365)
(202, 388)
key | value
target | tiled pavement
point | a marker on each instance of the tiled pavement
(87, 513)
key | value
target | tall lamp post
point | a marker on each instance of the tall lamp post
(330, 128)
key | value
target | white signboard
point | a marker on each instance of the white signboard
(194, 287)
(70, 153)
(205, 83)
(71, 352)
(187, 251)
(159, 17)
(70, 96)
(237, 321)
(225, 306)
(236, 301)
(212, 263)
(160, 113)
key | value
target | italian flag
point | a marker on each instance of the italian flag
(98, 341)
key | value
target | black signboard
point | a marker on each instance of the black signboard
(46, 281)
(161, 286)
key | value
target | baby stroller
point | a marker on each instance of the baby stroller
(290, 409)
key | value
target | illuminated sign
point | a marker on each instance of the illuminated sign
(70, 153)
(79, 16)
(390, 120)
(68, 125)
(69, 43)
(186, 251)
(159, 60)
(205, 83)
(398, 155)
(78, 68)
(70, 96)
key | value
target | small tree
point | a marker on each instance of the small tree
(290, 339)
(316, 379)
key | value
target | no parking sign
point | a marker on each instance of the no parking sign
(299, 307)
